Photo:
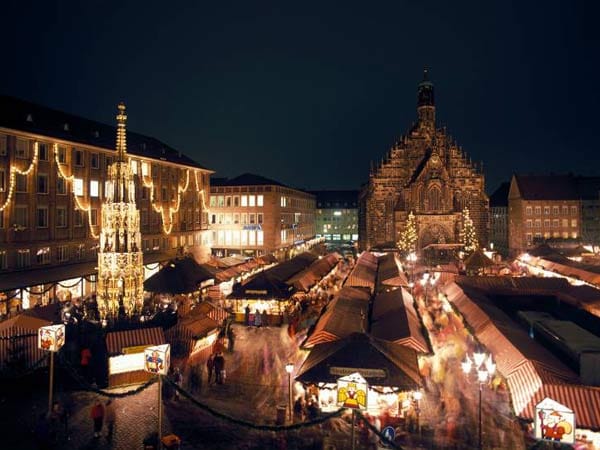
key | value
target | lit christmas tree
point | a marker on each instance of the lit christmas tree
(468, 237)
(408, 237)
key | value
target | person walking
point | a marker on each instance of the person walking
(109, 418)
(178, 380)
(210, 365)
(264, 320)
(247, 315)
(86, 356)
(257, 319)
(97, 415)
(219, 364)
(230, 339)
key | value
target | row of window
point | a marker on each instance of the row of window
(237, 218)
(235, 201)
(555, 210)
(547, 235)
(238, 237)
(339, 237)
(555, 223)
(41, 220)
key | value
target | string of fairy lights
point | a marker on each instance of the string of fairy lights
(165, 212)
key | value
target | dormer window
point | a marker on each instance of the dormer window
(66, 126)
(29, 118)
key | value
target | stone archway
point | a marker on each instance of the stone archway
(435, 234)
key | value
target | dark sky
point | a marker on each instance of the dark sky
(309, 93)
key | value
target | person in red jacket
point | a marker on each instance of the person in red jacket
(97, 415)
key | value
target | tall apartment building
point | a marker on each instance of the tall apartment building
(337, 216)
(542, 207)
(427, 173)
(252, 215)
(499, 218)
(53, 173)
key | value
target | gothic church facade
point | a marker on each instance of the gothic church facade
(425, 172)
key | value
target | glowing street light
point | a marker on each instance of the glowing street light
(289, 368)
(417, 396)
(485, 369)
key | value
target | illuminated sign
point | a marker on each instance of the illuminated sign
(157, 359)
(554, 422)
(367, 373)
(51, 338)
(352, 392)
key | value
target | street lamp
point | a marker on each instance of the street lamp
(412, 259)
(289, 368)
(427, 280)
(411, 285)
(485, 369)
(417, 396)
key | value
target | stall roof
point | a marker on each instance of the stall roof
(22, 322)
(308, 277)
(532, 372)
(394, 319)
(179, 276)
(380, 363)
(116, 341)
(389, 272)
(262, 286)
(345, 314)
(478, 260)
(199, 326)
(364, 272)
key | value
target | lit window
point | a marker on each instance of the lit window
(22, 148)
(573, 223)
(555, 210)
(546, 210)
(259, 200)
(213, 201)
(528, 223)
(228, 237)
(23, 258)
(244, 200)
(251, 238)
(538, 210)
(144, 168)
(236, 219)
(134, 167)
(62, 253)
(565, 223)
(538, 223)
(78, 186)
(94, 188)
(244, 237)
(220, 201)
(337, 213)
(528, 210)
(251, 200)
(62, 155)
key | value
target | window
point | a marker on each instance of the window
(546, 223)
(62, 253)
(43, 152)
(538, 223)
(213, 201)
(78, 186)
(529, 238)
(221, 237)
(244, 218)
(574, 223)
(236, 218)
(228, 237)
(236, 237)
(244, 200)
(41, 220)
(220, 201)
(573, 210)
(78, 158)
(2, 145)
(251, 238)
(259, 218)
(244, 237)
(3, 264)
(61, 217)
(259, 237)
(555, 223)
(283, 203)
(538, 210)
(108, 161)
(252, 201)
(227, 220)
(42, 183)
(94, 188)
(144, 168)
(527, 210)
(546, 210)
(565, 223)
(1, 219)
(134, 167)
(23, 258)
(555, 210)
(144, 216)
(61, 186)
(21, 219)
(228, 201)
(2, 180)
(62, 155)
(213, 218)
(93, 217)
(220, 218)
(78, 218)
(565, 210)
(94, 160)
(43, 255)
(163, 193)
(252, 218)
(236, 201)
(528, 223)
(21, 183)
(22, 148)
(259, 200)
(574, 235)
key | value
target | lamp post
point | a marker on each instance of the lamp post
(485, 369)
(51, 338)
(426, 281)
(289, 368)
(417, 396)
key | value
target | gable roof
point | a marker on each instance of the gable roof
(15, 114)
(547, 187)
(500, 196)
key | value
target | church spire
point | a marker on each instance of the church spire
(426, 102)
(121, 133)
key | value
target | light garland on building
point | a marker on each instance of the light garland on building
(14, 171)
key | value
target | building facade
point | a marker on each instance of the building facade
(53, 174)
(499, 219)
(426, 173)
(251, 215)
(542, 208)
(336, 216)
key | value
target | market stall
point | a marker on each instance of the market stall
(125, 351)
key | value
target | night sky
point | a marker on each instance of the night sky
(309, 93)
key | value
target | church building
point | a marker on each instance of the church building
(427, 173)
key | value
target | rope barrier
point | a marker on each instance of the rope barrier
(18, 336)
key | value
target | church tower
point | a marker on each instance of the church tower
(426, 103)
(120, 259)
